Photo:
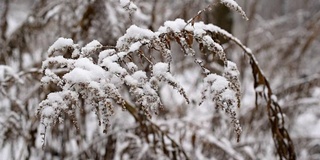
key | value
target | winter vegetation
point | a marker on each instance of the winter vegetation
(136, 79)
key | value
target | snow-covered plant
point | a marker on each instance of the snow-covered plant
(98, 77)
(171, 91)
(100, 81)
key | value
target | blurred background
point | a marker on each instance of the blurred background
(282, 34)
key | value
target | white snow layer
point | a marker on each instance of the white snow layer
(160, 68)
(59, 44)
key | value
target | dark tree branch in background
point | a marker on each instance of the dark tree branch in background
(3, 19)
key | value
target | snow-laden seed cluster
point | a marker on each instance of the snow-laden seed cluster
(144, 89)
(60, 45)
(128, 5)
(160, 73)
(233, 5)
(89, 49)
(231, 73)
(219, 89)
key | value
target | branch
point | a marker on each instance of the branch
(155, 129)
